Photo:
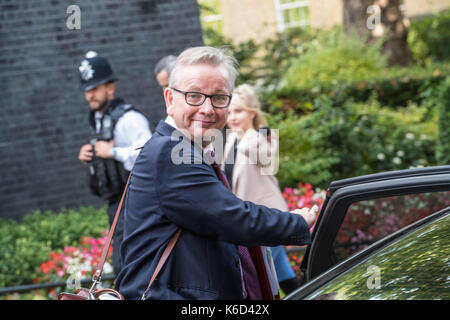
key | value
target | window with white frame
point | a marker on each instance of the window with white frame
(292, 13)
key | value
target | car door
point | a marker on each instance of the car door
(412, 263)
(427, 189)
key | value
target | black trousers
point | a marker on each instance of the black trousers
(117, 237)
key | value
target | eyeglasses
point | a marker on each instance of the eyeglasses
(197, 98)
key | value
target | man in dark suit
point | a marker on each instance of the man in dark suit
(173, 185)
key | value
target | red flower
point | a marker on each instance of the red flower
(44, 268)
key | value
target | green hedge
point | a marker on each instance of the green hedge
(393, 88)
(343, 67)
(333, 143)
(429, 39)
(26, 244)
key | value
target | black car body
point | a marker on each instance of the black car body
(382, 236)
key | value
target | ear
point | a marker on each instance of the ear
(168, 97)
(110, 87)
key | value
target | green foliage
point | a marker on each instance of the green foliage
(333, 58)
(443, 103)
(243, 52)
(333, 143)
(393, 88)
(279, 53)
(24, 245)
(429, 39)
(343, 67)
(336, 102)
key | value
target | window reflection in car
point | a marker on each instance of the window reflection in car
(369, 221)
(415, 267)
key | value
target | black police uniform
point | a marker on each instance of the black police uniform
(107, 177)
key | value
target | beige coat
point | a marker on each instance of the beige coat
(256, 161)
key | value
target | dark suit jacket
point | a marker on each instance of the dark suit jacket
(164, 196)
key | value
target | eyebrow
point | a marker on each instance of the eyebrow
(196, 89)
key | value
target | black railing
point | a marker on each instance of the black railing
(38, 286)
(109, 277)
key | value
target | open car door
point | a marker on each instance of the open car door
(362, 210)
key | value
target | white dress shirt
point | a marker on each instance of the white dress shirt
(132, 131)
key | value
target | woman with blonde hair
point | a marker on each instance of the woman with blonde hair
(250, 162)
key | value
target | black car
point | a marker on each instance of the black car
(381, 236)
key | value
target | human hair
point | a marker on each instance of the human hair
(204, 55)
(165, 63)
(245, 97)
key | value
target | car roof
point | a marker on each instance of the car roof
(335, 185)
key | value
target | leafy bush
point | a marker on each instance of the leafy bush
(243, 52)
(26, 244)
(370, 220)
(393, 87)
(279, 53)
(428, 39)
(334, 57)
(344, 66)
(333, 143)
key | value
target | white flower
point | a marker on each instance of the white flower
(397, 160)
(409, 136)
(107, 268)
(381, 156)
(400, 153)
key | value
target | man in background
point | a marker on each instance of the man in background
(162, 70)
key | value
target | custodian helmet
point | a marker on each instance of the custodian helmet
(94, 71)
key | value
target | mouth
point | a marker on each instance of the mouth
(204, 123)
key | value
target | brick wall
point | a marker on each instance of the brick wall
(43, 119)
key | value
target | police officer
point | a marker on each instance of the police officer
(117, 131)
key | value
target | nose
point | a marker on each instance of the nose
(207, 107)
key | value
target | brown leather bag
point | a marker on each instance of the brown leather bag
(110, 294)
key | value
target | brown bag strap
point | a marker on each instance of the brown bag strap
(98, 272)
(162, 260)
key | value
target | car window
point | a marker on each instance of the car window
(368, 221)
(415, 267)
